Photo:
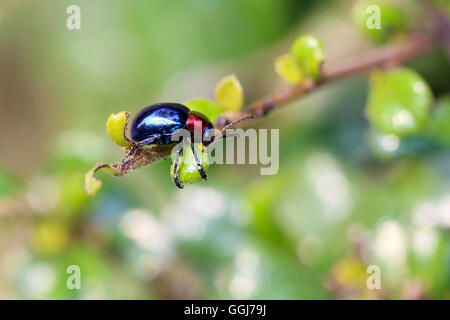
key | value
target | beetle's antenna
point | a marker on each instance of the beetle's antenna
(227, 136)
(223, 132)
(232, 124)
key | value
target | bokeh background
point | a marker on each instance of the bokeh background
(341, 201)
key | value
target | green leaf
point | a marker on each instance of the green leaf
(387, 146)
(440, 121)
(390, 18)
(399, 101)
(383, 145)
(229, 93)
(308, 52)
(207, 107)
(116, 126)
(187, 169)
(92, 184)
(287, 68)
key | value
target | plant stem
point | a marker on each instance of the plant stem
(396, 54)
(389, 56)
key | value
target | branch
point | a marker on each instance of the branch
(396, 54)
(141, 158)
(386, 57)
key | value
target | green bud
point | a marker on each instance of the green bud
(187, 167)
(229, 93)
(399, 102)
(116, 126)
(308, 52)
(287, 68)
(379, 20)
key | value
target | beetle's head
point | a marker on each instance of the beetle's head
(200, 126)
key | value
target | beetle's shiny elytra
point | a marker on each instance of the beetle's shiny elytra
(155, 124)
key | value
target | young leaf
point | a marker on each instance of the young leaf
(207, 107)
(116, 126)
(287, 68)
(229, 93)
(92, 184)
(379, 20)
(399, 101)
(187, 168)
(308, 52)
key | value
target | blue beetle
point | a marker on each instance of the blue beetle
(157, 123)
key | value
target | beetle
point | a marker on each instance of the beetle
(157, 123)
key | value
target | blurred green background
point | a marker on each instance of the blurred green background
(340, 202)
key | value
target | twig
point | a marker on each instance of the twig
(385, 57)
(398, 53)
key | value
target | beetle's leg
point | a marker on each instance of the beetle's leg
(132, 151)
(142, 143)
(149, 140)
(136, 145)
(175, 168)
(199, 166)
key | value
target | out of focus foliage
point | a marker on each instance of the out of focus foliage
(347, 196)
(393, 21)
(399, 102)
(305, 59)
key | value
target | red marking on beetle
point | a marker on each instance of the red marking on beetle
(195, 122)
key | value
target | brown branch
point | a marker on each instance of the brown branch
(398, 53)
(386, 57)
(141, 158)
